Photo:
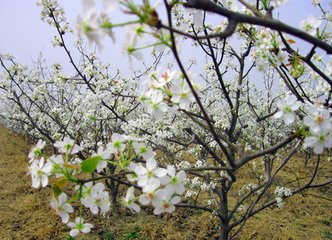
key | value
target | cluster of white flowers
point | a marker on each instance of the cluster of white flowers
(280, 203)
(59, 106)
(281, 193)
(318, 122)
(208, 186)
(190, 194)
(95, 198)
(52, 10)
(200, 163)
(315, 2)
(196, 183)
(267, 49)
(41, 171)
(320, 128)
(184, 164)
(94, 23)
(287, 109)
(241, 208)
(311, 25)
(168, 92)
(161, 187)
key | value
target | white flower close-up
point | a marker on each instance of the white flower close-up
(62, 207)
(287, 109)
(40, 171)
(36, 150)
(97, 199)
(130, 199)
(79, 226)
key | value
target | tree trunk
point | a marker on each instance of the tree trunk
(113, 190)
(223, 234)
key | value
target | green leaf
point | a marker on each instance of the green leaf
(89, 165)
(266, 4)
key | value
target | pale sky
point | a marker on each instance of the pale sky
(24, 35)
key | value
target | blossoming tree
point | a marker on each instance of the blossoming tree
(183, 127)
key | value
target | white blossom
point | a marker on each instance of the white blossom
(57, 165)
(287, 109)
(164, 202)
(62, 207)
(36, 150)
(156, 105)
(105, 154)
(130, 200)
(318, 120)
(97, 199)
(319, 141)
(182, 95)
(175, 181)
(67, 145)
(40, 172)
(311, 24)
(149, 176)
(142, 150)
(148, 197)
(315, 2)
(79, 226)
(117, 143)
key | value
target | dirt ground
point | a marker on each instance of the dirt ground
(25, 213)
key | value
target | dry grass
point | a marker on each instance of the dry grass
(302, 218)
(26, 213)
(306, 215)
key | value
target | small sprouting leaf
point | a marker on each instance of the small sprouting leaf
(89, 165)
(56, 190)
(291, 41)
(72, 166)
(58, 185)
(61, 182)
